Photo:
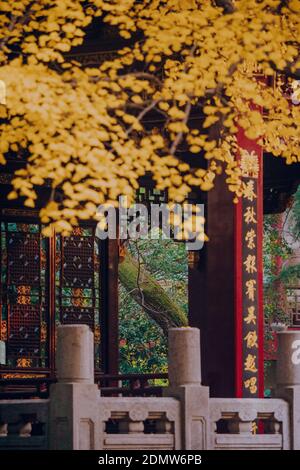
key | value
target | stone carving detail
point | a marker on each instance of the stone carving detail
(215, 414)
(171, 414)
(105, 414)
(138, 413)
(198, 431)
(248, 414)
(3, 429)
(241, 416)
(131, 414)
(25, 429)
(279, 413)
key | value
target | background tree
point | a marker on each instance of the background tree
(147, 291)
(143, 318)
(187, 62)
(281, 233)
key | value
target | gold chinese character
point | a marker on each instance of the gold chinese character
(251, 384)
(248, 191)
(249, 164)
(249, 364)
(250, 239)
(250, 215)
(251, 339)
(250, 264)
(251, 289)
(254, 427)
(251, 317)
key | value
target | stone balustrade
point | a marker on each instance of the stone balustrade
(77, 417)
(249, 423)
(140, 423)
(24, 424)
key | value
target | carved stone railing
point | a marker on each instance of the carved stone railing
(80, 417)
(24, 424)
(140, 423)
(249, 423)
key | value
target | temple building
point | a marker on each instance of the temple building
(59, 280)
(46, 282)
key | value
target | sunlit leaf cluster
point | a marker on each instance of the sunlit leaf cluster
(192, 73)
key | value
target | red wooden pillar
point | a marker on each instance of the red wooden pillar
(249, 365)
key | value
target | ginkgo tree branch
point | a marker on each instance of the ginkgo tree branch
(179, 136)
(187, 110)
(288, 70)
(142, 114)
(9, 30)
(20, 21)
(149, 294)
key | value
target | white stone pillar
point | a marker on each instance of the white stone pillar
(74, 399)
(75, 354)
(185, 385)
(288, 378)
(184, 356)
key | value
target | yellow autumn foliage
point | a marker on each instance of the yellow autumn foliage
(207, 67)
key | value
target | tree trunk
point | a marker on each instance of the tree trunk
(149, 294)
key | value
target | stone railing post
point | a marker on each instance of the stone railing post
(74, 399)
(185, 384)
(288, 379)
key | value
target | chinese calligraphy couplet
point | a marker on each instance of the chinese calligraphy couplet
(248, 273)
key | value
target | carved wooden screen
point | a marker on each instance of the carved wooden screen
(24, 294)
(77, 282)
(293, 305)
(46, 282)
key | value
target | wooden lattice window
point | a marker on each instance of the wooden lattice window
(78, 282)
(24, 294)
(294, 307)
(46, 282)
